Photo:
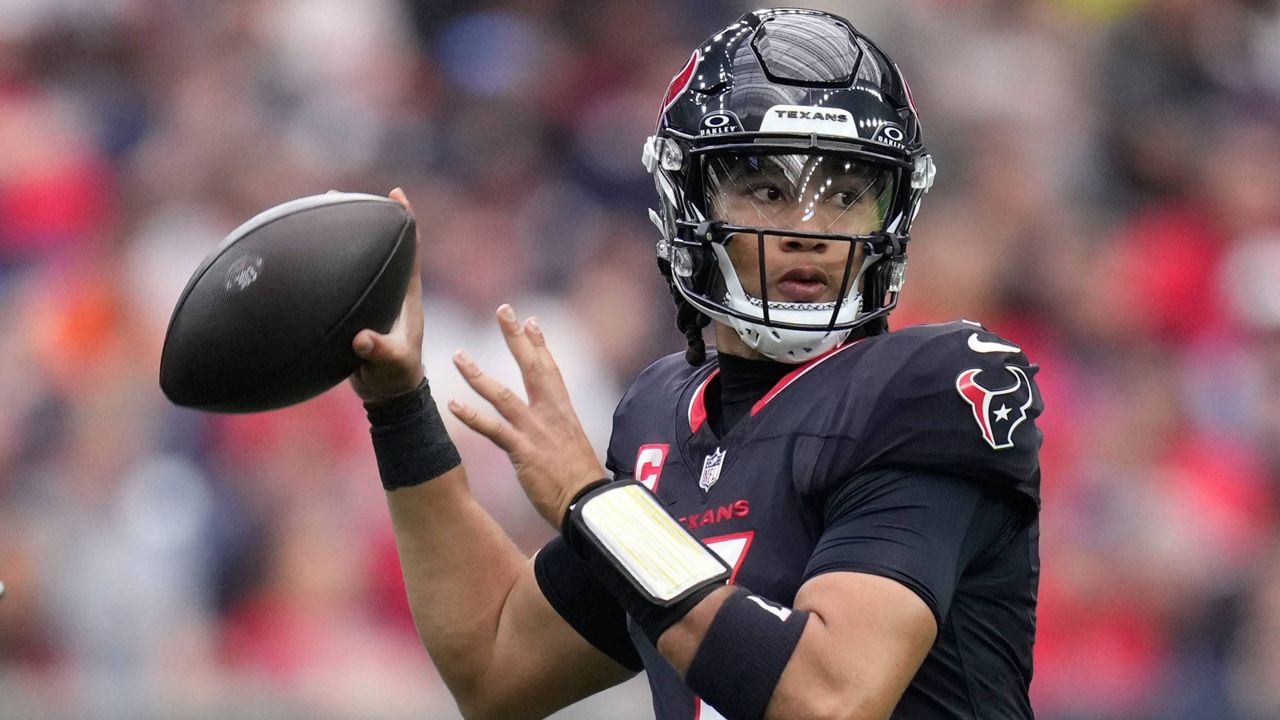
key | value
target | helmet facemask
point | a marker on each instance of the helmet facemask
(786, 245)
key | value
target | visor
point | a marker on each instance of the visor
(808, 192)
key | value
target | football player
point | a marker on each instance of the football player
(821, 519)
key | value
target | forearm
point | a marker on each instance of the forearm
(807, 687)
(501, 648)
(459, 566)
(459, 569)
(864, 638)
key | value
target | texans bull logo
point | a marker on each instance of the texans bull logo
(998, 412)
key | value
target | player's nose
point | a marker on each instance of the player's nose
(791, 243)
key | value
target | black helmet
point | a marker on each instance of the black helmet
(780, 125)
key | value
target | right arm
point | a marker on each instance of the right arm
(501, 648)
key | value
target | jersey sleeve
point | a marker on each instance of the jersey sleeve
(616, 459)
(575, 594)
(652, 401)
(950, 399)
(919, 529)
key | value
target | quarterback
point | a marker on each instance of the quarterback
(820, 518)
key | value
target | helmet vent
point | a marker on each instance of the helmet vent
(807, 50)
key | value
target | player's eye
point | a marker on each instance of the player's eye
(767, 193)
(846, 198)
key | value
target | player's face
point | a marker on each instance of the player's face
(801, 192)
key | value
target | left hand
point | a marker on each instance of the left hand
(544, 438)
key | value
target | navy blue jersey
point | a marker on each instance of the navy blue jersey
(912, 455)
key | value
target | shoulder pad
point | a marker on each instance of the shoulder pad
(953, 398)
(652, 401)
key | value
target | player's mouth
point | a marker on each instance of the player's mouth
(804, 285)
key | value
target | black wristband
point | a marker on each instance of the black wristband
(743, 654)
(409, 439)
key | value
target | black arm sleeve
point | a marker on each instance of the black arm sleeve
(584, 603)
(919, 529)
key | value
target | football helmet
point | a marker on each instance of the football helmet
(788, 131)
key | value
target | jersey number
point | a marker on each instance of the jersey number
(733, 550)
(706, 712)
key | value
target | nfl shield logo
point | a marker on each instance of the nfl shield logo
(711, 470)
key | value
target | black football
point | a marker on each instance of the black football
(267, 319)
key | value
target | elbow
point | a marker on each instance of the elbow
(859, 706)
(836, 704)
(833, 711)
(474, 703)
(493, 706)
(480, 708)
(476, 711)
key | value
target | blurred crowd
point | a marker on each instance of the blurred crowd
(1108, 197)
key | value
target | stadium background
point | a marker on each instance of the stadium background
(1108, 196)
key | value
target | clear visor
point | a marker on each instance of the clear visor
(802, 191)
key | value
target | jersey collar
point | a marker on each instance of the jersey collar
(697, 410)
(796, 374)
(698, 403)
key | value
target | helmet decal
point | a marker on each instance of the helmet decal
(719, 122)
(890, 134)
(679, 84)
(800, 119)
(906, 86)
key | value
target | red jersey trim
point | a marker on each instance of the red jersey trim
(698, 405)
(796, 374)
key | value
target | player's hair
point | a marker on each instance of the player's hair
(690, 322)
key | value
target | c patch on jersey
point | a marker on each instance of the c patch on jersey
(997, 412)
(649, 462)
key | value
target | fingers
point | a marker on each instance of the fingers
(411, 309)
(387, 352)
(542, 354)
(499, 432)
(517, 341)
(529, 348)
(501, 397)
(363, 343)
(534, 331)
(398, 195)
(373, 347)
(544, 363)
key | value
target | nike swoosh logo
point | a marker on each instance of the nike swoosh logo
(982, 346)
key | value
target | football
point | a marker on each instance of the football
(268, 317)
